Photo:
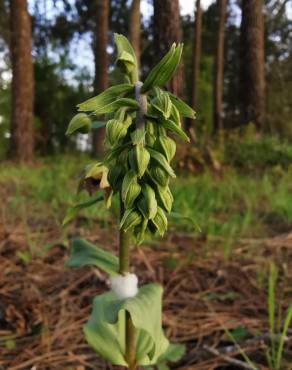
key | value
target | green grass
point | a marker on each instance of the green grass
(242, 205)
(230, 206)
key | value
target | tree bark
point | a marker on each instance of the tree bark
(253, 66)
(101, 63)
(196, 54)
(135, 27)
(167, 30)
(22, 131)
(219, 68)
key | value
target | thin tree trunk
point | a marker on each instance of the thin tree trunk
(196, 57)
(219, 68)
(135, 27)
(22, 132)
(196, 54)
(167, 30)
(253, 67)
(101, 63)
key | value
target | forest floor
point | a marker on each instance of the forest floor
(215, 280)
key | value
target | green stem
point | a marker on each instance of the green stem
(124, 260)
(125, 239)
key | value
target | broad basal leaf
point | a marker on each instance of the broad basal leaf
(105, 330)
(106, 97)
(84, 253)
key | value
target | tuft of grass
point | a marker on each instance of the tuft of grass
(278, 330)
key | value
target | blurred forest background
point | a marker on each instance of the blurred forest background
(236, 71)
(225, 262)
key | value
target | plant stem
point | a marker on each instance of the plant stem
(125, 239)
(124, 260)
(142, 101)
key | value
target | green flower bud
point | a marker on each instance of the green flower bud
(150, 139)
(140, 230)
(79, 123)
(130, 188)
(150, 128)
(139, 158)
(130, 219)
(115, 177)
(166, 146)
(115, 131)
(160, 159)
(147, 204)
(160, 221)
(162, 104)
(165, 198)
(159, 176)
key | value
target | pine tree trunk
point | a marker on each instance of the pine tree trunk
(135, 27)
(101, 63)
(22, 131)
(219, 67)
(196, 54)
(253, 66)
(167, 30)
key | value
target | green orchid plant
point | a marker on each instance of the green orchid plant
(125, 326)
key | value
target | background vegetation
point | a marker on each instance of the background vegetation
(223, 299)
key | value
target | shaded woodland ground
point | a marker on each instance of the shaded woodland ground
(215, 280)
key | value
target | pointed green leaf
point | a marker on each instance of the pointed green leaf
(164, 70)
(119, 103)
(171, 126)
(175, 116)
(72, 211)
(84, 253)
(184, 109)
(106, 97)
